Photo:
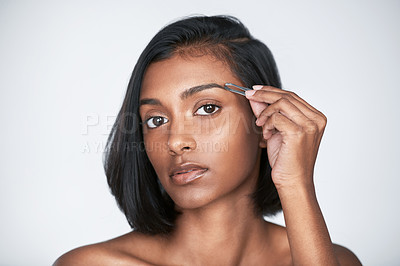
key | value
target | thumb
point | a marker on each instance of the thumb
(257, 107)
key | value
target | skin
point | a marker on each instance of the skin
(218, 225)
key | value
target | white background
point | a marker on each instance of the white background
(64, 68)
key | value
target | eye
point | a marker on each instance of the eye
(207, 109)
(156, 121)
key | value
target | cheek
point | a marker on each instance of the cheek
(157, 150)
(231, 144)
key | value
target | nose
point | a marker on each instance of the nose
(180, 140)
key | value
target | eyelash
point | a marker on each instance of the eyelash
(204, 105)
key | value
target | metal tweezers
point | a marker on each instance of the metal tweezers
(241, 92)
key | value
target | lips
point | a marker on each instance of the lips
(186, 173)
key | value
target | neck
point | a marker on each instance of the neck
(226, 231)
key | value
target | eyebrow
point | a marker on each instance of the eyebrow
(184, 95)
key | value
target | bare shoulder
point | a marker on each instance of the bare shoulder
(345, 256)
(279, 233)
(96, 254)
(123, 250)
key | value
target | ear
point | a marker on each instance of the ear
(262, 143)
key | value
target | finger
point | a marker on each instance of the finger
(257, 107)
(292, 94)
(286, 108)
(270, 95)
(279, 122)
(268, 133)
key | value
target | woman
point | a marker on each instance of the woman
(195, 167)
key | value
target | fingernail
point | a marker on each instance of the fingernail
(250, 93)
(257, 87)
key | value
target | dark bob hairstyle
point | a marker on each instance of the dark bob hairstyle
(130, 175)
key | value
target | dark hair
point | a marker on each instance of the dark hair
(130, 175)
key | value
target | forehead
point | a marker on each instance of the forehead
(175, 74)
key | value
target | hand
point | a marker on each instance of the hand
(292, 129)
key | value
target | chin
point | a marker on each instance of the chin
(201, 197)
(192, 199)
(210, 189)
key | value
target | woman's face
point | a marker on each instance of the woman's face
(200, 138)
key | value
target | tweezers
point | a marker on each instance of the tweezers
(241, 92)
